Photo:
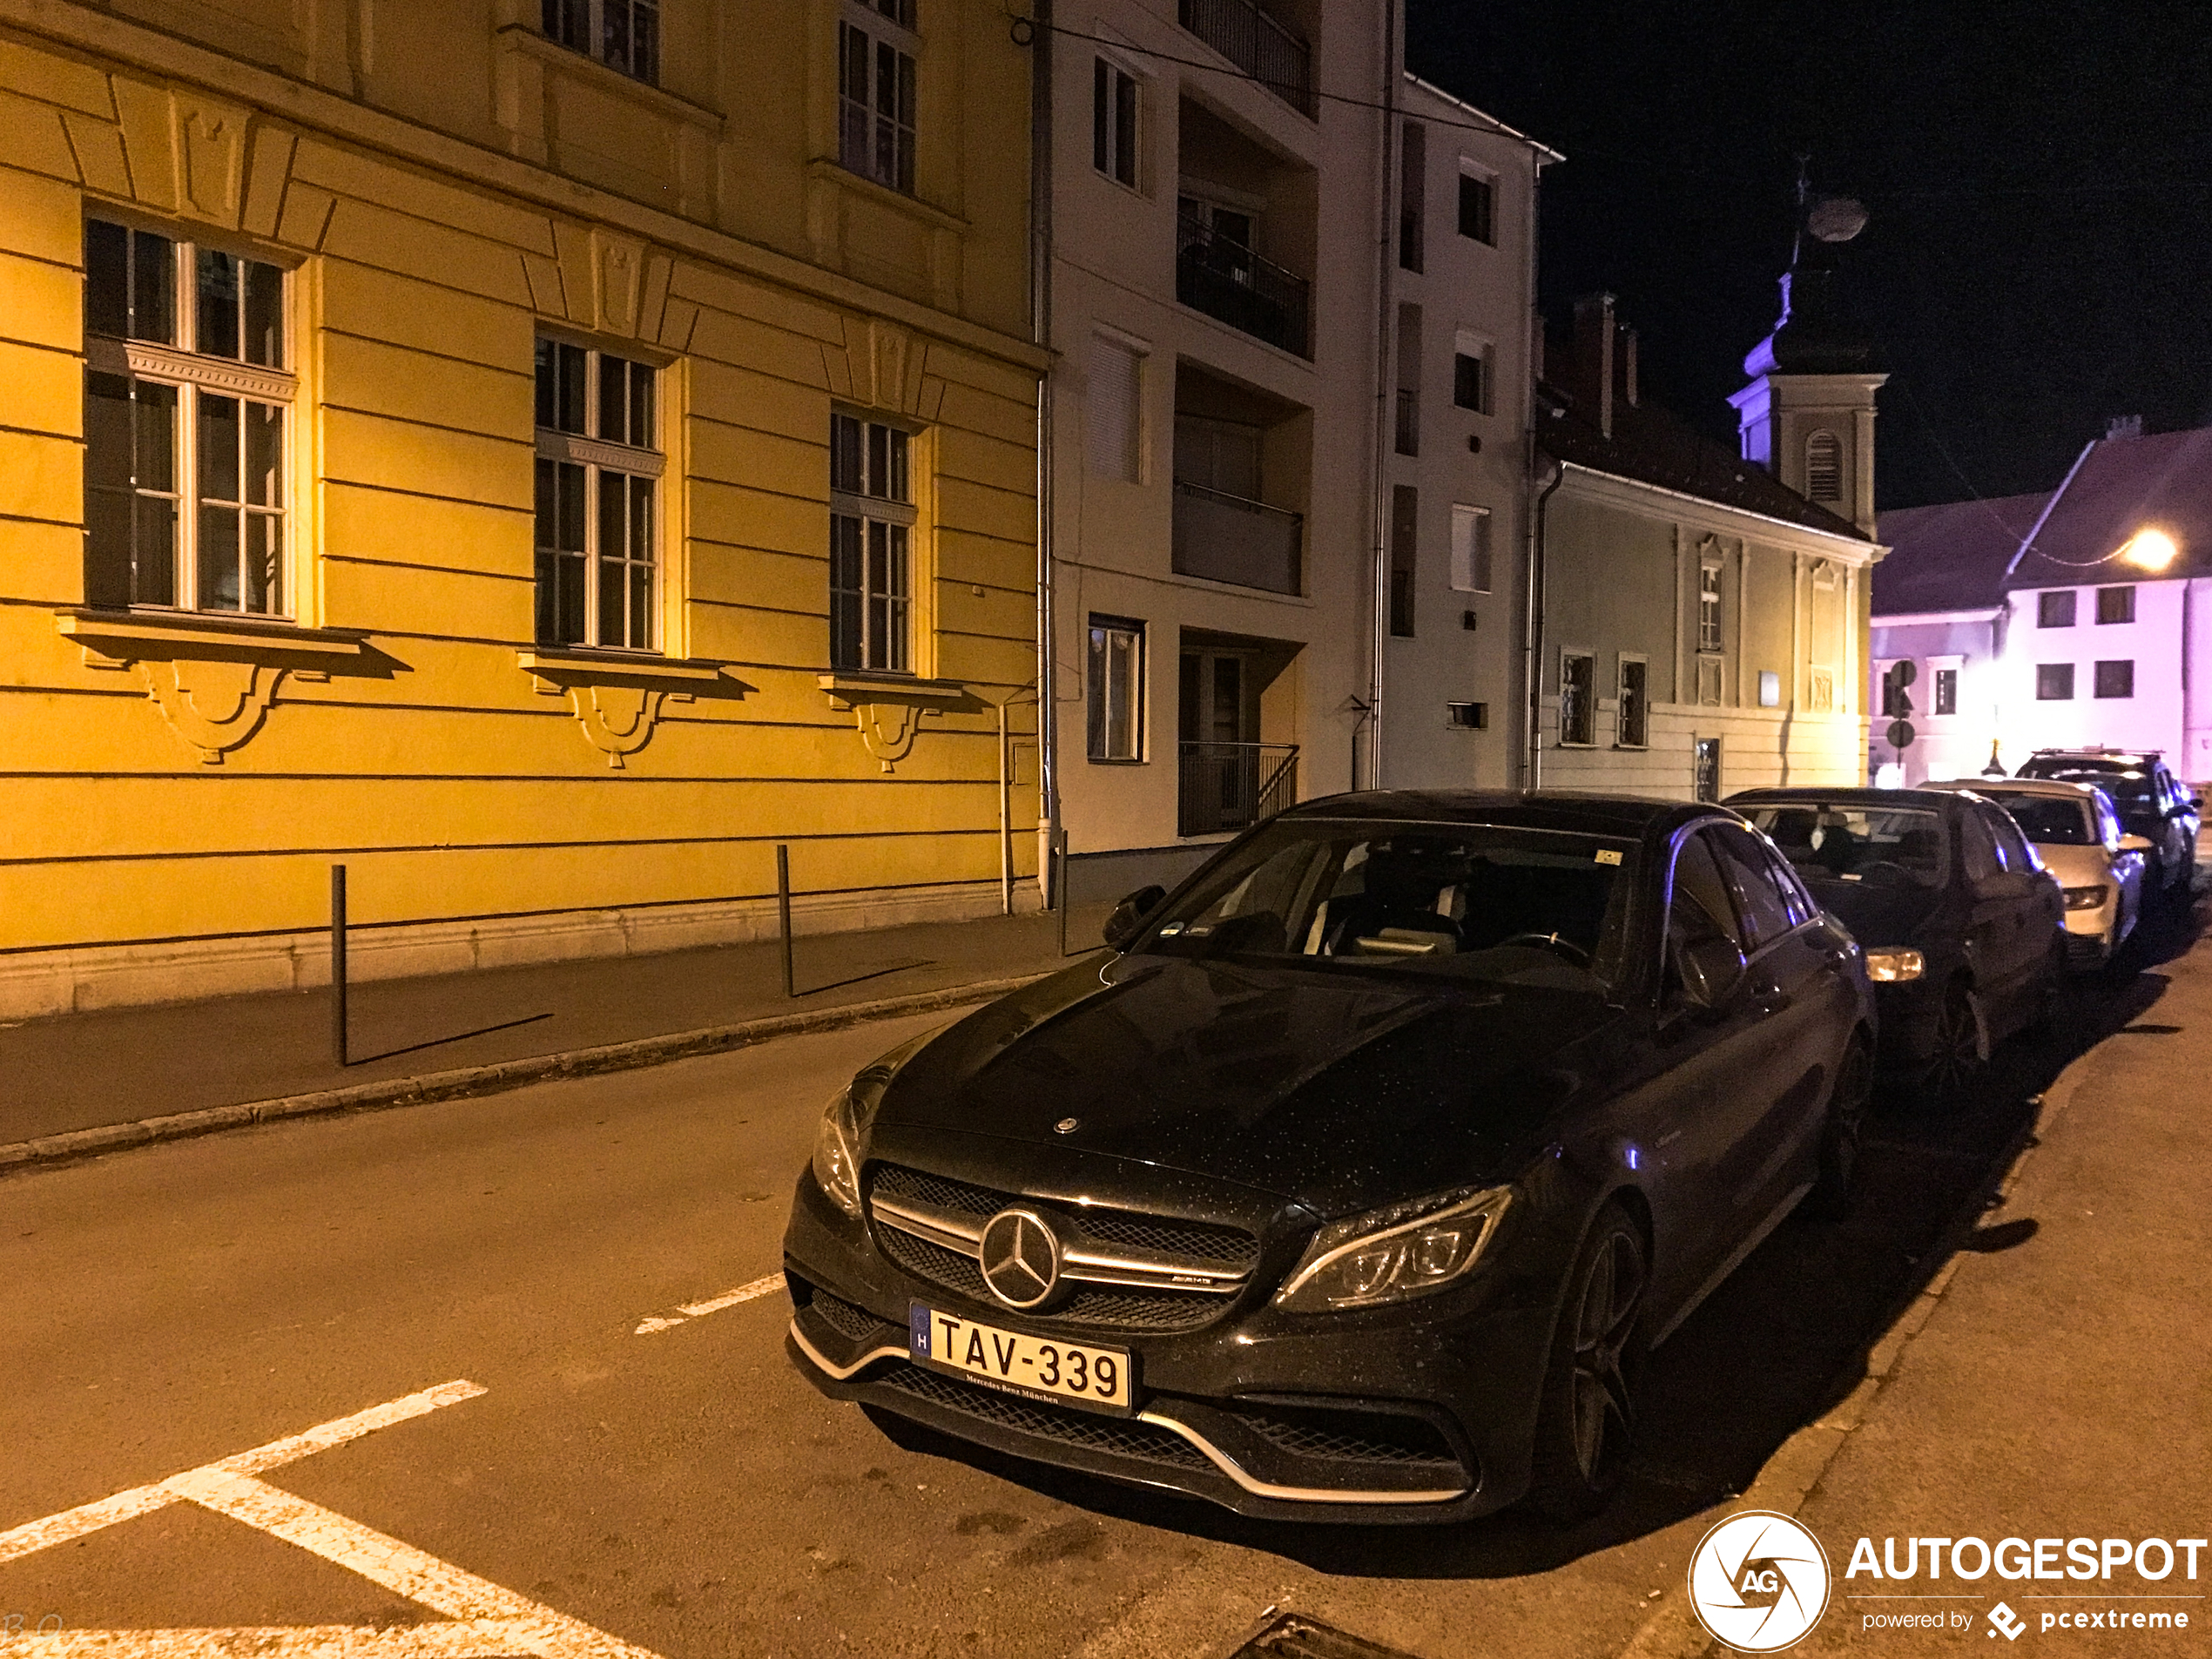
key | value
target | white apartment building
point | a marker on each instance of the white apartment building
(1456, 473)
(1218, 248)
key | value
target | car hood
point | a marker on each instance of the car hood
(1877, 913)
(1339, 1090)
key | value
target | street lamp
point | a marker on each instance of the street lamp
(2149, 549)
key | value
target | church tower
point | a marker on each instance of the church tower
(1808, 414)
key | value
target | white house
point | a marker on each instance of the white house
(2072, 639)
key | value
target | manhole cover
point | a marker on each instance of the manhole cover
(1292, 1635)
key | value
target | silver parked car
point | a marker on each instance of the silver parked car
(2078, 833)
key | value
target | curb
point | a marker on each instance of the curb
(468, 1081)
(1787, 1478)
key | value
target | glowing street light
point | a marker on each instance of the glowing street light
(2151, 550)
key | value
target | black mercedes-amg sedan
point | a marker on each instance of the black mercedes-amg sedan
(1354, 1181)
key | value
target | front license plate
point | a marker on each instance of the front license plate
(1073, 1372)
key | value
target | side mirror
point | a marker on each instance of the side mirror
(1128, 919)
(1712, 971)
(2135, 844)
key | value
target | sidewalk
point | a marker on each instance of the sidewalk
(86, 1071)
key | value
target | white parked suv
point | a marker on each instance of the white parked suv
(2078, 833)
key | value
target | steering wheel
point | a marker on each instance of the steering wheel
(1566, 947)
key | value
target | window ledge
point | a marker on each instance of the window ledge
(836, 172)
(556, 669)
(848, 688)
(138, 636)
(521, 37)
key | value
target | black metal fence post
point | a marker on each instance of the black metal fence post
(783, 910)
(338, 965)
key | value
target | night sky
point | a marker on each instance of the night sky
(2038, 256)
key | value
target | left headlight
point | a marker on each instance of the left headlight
(1894, 964)
(837, 1153)
(1390, 1255)
(2085, 898)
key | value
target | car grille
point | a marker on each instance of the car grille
(1350, 1436)
(1116, 1436)
(1103, 1309)
(1200, 1241)
(1127, 1271)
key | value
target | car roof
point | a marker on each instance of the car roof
(2052, 788)
(1628, 816)
(2100, 760)
(1931, 799)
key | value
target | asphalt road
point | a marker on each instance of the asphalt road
(681, 1489)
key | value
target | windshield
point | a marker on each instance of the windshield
(1901, 846)
(2130, 787)
(1503, 906)
(2055, 823)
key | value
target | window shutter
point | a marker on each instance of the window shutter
(1112, 412)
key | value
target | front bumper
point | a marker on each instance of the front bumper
(1906, 1015)
(1368, 1419)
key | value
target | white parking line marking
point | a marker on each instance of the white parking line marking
(760, 1287)
(140, 1501)
(490, 1623)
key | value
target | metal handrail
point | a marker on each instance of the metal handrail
(1260, 45)
(1245, 501)
(1231, 283)
(1225, 786)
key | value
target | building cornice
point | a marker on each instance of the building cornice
(1613, 489)
(156, 53)
(1925, 618)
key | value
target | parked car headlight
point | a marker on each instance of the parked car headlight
(836, 1154)
(1892, 965)
(1389, 1255)
(2084, 898)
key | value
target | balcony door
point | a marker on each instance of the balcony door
(1219, 456)
(1219, 780)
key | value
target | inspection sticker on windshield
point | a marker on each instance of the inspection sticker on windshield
(1075, 1372)
(1608, 855)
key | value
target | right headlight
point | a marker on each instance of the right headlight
(837, 1153)
(1389, 1255)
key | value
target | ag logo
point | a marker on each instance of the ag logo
(1759, 1581)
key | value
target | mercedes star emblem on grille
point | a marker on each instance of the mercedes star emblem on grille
(1020, 1257)
(1067, 1126)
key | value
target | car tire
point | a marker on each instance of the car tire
(1954, 1060)
(1586, 1420)
(1843, 1135)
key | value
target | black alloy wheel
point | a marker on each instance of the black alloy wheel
(1843, 1136)
(1588, 1416)
(1954, 1055)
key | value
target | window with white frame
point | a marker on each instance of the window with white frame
(1470, 549)
(875, 92)
(187, 425)
(1946, 692)
(624, 34)
(1577, 698)
(1117, 689)
(1113, 104)
(1478, 196)
(1709, 605)
(1632, 724)
(872, 529)
(1471, 372)
(599, 464)
(1113, 412)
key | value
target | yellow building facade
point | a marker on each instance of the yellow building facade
(539, 455)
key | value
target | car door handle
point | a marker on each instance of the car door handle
(1771, 1000)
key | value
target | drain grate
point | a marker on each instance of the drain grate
(1292, 1635)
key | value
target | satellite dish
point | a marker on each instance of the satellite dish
(1836, 219)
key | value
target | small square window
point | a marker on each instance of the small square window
(1471, 379)
(1471, 550)
(2054, 681)
(2116, 679)
(1477, 208)
(2055, 609)
(2116, 605)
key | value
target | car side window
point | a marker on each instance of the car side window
(2108, 825)
(1701, 904)
(2016, 854)
(1744, 865)
(1797, 897)
(1982, 858)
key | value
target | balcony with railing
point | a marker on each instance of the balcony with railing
(1226, 538)
(1229, 787)
(1268, 51)
(1224, 279)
